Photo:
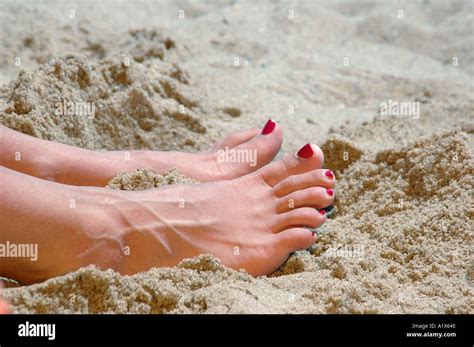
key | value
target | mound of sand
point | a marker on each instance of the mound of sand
(113, 104)
(142, 179)
(401, 238)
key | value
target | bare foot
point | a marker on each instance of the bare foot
(234, 156)
(252, 222)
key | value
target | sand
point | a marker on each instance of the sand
(401, 237)
(142, 179)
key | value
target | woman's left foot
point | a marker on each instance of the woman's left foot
(236, 155)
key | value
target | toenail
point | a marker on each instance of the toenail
(329, 174)
(306, 151)
(330, 192)
(322, 212)
(269, 127)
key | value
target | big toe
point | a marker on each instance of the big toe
(309, 157)
(252, 154)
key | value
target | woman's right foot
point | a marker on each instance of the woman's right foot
(253, 222)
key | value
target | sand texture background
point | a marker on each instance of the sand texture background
(401, 239)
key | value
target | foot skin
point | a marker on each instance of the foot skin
(76, 166)
(252, 149)
(252, 222)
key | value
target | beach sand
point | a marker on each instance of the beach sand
(401, 238)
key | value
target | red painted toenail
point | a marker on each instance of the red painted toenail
(306, 151)
(329, 174)
(330, 192)
(322, 212)
(268, 128)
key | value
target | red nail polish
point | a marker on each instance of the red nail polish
(269, 127)
(329, 174)
(322, 212)
(330, 192)
(306, 151)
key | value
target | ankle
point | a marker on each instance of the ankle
(84, 167)
(89, 234)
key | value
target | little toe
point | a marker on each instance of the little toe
(295, 239)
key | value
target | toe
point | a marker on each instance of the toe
(235, 139)
(295, 239)
(251, 155)
(314, 178)
(299, 217)
(317, 197)
(308, 158)
(266, 144)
